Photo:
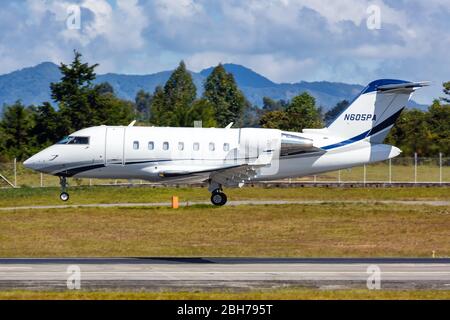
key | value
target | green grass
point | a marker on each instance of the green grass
(278, 294)
(325, 230)
(112, 194)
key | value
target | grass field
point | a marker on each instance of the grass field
(112, 194)
(325, 230)
(331, 229)
(280, 294)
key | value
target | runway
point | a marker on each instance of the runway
(218, 273)
(229, 203)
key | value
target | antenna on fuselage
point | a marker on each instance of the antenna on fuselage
(132, 123)
(229, 125)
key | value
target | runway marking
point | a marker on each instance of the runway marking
(187, 275)
(230, 203)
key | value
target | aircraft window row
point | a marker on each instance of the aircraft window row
(74, 140)
(166, 146)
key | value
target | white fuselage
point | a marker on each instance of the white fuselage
(191, 154)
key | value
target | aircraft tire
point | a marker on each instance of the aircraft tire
(64, 196)
(218, 198)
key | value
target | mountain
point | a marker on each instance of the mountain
(245, 77)
(31, 85)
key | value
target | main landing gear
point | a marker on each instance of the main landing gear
(64, 196)
(218, 198)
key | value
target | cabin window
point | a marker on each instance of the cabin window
(74, 140)
(181, 146)
(136, 145)
(151, 145)
(212, 147)
(196, 146)
(226, 147)
(165, 145)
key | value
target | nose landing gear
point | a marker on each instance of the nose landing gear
(64, 196)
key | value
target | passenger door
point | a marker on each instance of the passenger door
(114, 145)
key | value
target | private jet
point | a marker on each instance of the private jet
(231, 157)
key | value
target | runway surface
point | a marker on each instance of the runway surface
(229, 203)
(216, 273)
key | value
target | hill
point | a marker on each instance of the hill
(31, 85)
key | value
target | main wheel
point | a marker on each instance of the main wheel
(218, 198)
(64, 196)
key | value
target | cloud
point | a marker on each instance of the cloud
(286, 40)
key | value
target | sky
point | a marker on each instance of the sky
(351, 41)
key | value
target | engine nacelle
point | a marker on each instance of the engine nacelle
(292, 144)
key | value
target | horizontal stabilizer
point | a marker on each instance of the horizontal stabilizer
(407, 85)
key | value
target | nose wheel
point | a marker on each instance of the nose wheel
(218, 198)
(64, 196)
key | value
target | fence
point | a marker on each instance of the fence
(397, 170)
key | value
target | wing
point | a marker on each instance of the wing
(237, 176)
(227, 175)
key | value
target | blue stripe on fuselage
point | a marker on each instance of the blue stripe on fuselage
(383, 125)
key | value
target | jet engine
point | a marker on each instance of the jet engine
(292, 144)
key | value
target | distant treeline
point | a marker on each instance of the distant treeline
(25, 130)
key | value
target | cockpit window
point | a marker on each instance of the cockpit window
(74, 140)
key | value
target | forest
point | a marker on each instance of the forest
(78, 103)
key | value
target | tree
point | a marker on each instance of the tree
(175, 105)
(157, 114)
(275, 119)
(108, 109)
(271, 105)
(49, 126)
(3, 156)
(446, 90)
(16, 126)
(424, 132)
(333, 113)
(302, 113)
(411, 133)
(179, 94)
(223, 93)
(202, 110)
(72, 93)
(143, 102)
(82, 104)
(104, 88)
(438, 119)
(252, 116)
